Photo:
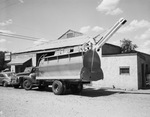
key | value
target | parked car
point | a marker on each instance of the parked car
(6, 78)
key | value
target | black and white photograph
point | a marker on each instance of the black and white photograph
(74, 58)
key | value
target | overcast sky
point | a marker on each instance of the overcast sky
(49, 19)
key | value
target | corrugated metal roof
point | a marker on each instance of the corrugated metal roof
(60, 43)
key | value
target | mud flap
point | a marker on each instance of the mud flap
(91, 66)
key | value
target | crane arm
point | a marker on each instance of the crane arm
(102, 40)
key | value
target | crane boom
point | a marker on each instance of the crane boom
(110, 33)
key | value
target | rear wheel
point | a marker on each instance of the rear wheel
(57, 87)
(27, 85)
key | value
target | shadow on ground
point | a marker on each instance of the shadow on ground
(92, 92)
(47, 89)
(88, 92)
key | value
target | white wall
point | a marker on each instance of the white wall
(111, 67)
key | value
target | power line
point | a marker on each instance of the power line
(18, 36)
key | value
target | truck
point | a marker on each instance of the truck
(70, 68)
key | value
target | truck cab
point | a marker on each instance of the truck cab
(18, 81)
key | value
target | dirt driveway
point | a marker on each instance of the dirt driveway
(90, 103)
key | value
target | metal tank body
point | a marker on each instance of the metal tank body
(64, 64)
(70, 65)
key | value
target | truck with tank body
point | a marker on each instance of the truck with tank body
(70, 68)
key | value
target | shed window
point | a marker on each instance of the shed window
(71, 50)
(124, 70)
(69, 35)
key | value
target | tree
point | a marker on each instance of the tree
(127, 46)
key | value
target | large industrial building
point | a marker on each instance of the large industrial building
(121, 70)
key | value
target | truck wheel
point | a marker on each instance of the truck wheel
(76, 88)
(57, 87)
(5, 84)
(27, 85)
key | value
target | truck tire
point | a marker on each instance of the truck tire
(27, 85)
(57, 87)
(76, 88)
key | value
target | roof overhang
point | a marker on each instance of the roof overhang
(18, 61)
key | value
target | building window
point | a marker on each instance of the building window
(124, 70)
(69, 35)
(71, 50)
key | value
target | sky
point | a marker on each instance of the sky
(46, 20)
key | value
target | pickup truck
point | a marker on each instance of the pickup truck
(18, 82)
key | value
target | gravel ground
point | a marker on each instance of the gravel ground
(92, 102)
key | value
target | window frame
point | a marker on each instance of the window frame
(124, 70)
